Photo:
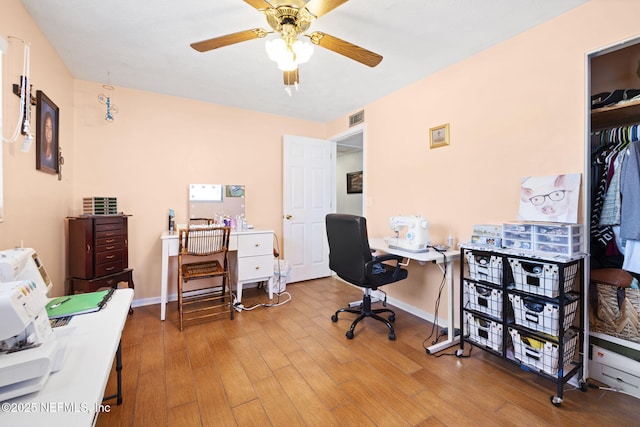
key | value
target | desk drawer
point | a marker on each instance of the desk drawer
(255, 244)
(233, 243)
(255, 267)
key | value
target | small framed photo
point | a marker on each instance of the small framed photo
(439, 136)
(354, 182)
(47, 125)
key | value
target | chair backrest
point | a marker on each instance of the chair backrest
(204, 240)
(349, 249)
(200, 221)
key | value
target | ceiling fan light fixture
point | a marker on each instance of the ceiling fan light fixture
(288, 57)
(303, 51)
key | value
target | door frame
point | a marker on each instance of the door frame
(361, 128)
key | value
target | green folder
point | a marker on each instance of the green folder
(71, 305)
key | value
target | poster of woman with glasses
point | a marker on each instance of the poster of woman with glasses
(551, 198)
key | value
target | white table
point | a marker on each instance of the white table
(252, 248)
(447, 258)
(73, 395)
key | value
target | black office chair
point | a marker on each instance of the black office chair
(351, 259)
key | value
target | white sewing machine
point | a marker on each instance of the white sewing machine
(416, 238)
(23, 264)
(29, 350)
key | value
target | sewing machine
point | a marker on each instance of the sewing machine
(29, 350)
(23, 264)
(416, 238)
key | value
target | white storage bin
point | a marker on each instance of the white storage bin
(484, 266)
(483, 332)
(543, 355)
(517, 236)
(484, 299)
(543, 316)
(542, 278)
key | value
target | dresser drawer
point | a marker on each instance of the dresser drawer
(255, 244)
(108, 268)
(255, 267)
(109, 241)
(109, 256)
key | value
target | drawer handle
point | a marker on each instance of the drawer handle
(110, 282)
(110, 247)
(257, 267)
(110, 268)
(88, 248)
(110, 256)
(111, 234)
(257, 244)
(110, 240)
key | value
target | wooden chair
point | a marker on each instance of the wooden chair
(209, 299)
(201, 221)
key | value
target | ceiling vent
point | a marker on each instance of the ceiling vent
(356, 119)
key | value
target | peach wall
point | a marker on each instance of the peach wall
(516, 109)
(35, 202)
(158, 145)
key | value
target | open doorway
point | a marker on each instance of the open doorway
(350, 173)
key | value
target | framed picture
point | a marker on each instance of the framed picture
(354, 182)
(439, 136)
(47, 124)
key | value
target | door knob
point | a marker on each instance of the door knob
(288, 217)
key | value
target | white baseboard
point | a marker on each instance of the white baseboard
(404, 306)
(141, 302)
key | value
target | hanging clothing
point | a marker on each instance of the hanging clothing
(612, 201)
(630, 190)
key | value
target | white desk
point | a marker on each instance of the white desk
(254, 253)
(439, 258)
(73, 395)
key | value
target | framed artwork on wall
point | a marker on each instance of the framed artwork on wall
(47, 124)
(354, 182)
(439, 136)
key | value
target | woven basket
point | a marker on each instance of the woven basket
(620, 320)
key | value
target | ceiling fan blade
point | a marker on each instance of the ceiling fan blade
(291, 77)
(229, 39)
(322, 7)
(258, 4)
(345, 48)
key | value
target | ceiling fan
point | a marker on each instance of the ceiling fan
(291, 18)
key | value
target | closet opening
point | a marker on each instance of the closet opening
(612, 207)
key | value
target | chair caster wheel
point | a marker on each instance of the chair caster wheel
(334, 318)
(392, 337)
(349, 334)
(555, 400)
(392, 318)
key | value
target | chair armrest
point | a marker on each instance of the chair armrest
(380, 260)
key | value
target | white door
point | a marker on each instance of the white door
(307, 195)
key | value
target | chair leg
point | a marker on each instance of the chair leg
(180, 300)
(366, 311)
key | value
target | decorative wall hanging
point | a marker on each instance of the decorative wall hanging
(47, 123)
(439, 136)
(354, 182)
(106, 99)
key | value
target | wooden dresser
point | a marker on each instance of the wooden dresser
(98, 252)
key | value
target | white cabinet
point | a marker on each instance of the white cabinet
(255, 259)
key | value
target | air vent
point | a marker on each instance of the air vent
(356, 119)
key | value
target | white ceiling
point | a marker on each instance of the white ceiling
(144, 44)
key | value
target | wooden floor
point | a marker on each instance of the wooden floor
(290, 365)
